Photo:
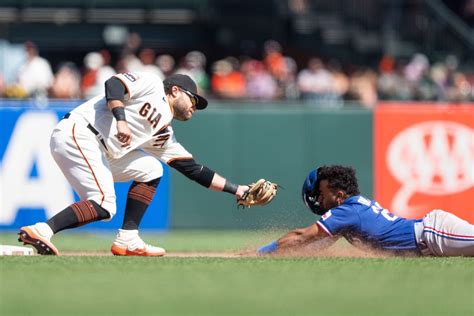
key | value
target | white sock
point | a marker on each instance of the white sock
(125, 234)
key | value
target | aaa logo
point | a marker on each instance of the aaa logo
(434, 157)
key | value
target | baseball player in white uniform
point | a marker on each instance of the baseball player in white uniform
(118, 137)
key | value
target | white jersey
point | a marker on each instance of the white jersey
(166, 148)
(146, 108)
(80, 153)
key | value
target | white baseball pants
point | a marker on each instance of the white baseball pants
(83, 161)
(444, 234)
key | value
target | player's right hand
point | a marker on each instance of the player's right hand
(124, 134)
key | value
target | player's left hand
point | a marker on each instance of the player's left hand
(241, 191)
(124, 134)
(271, 247)
(259, 193)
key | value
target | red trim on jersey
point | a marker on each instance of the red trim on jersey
(324, 228)
(88, 164)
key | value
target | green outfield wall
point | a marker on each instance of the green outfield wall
(281, 143)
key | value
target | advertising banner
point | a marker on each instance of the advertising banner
(424, 158)
(33, 188)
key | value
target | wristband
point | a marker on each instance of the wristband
(230, 187)
(119, 113)
(271, 247)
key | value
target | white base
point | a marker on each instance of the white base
(6, 250)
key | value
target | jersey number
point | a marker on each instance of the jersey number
(385, 213)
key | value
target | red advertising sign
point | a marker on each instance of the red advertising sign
(424, 158)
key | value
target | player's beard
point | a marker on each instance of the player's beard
(181, 110)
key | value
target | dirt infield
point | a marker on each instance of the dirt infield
(172, 254)
(334, 252)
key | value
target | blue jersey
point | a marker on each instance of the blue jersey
(359, 219)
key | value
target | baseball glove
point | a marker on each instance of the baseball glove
(259, 193)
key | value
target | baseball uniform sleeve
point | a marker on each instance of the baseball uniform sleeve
(338, 219)
(139, 84)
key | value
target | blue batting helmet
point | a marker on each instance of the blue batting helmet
(310, 192)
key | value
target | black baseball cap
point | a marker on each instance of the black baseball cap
(186, 83)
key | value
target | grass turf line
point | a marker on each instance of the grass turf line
(242, 286)
(237, 286)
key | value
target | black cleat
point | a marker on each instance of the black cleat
(29, 236)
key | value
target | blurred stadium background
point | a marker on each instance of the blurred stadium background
(386, 86)
(363, 50)
(292, 84)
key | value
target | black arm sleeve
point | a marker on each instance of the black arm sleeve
(194, 171)
(114, 89)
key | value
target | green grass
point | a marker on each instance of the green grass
(237, 286)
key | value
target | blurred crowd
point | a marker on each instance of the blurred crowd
(274, 76)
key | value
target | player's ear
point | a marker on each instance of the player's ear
(340, 197)
(174, 91)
